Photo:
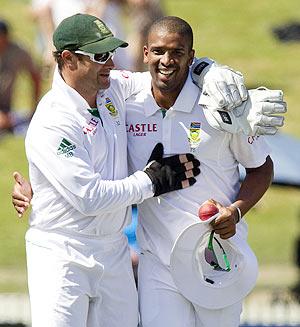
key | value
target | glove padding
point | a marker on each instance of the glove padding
(171, 173)
(256, 116)
(222, 84)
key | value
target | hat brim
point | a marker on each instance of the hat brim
(229, 287)
(109, 44)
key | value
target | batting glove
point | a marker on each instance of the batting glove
(224, 86)
(171, 173)
(259, 115)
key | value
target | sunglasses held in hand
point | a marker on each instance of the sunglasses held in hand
(210, 255)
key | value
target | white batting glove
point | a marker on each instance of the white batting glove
(222, 84)
(256, 116)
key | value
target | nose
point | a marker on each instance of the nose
(167, 59)
(109, 64)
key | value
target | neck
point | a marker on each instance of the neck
(166, 98)
(78, 85)
(163, 100)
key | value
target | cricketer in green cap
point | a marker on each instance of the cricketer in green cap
(86, 33)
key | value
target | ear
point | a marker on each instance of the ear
(69, 58)
(192, 55)
(146, 53)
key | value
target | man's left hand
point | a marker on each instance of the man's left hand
(223, 86)
(225, 223)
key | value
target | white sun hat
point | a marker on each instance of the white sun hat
(198, 281)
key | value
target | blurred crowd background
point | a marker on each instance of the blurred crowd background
(258, 38)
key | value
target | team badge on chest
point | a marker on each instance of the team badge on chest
(193, 134)
(110, 107)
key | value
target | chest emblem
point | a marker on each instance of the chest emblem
(110, 107)
(193, 134)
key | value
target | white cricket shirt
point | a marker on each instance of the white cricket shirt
(78, 161)
(185, 129)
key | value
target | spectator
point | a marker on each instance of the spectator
(13, 60)
(49, 13)
(143, 13)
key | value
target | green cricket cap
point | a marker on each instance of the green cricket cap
(87, 33)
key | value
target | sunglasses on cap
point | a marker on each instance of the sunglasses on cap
(99, 58)
(210, 255)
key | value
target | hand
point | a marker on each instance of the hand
(21, 194)
(259, 115)
(225, 223)
(172, 173)
(262, 111)
(221, 85)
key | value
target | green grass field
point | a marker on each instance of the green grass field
(237, 33)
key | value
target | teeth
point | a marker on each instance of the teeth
(166, 72)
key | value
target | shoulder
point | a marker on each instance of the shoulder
(123, 77)
(53, 112)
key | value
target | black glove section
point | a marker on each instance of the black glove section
(169, 174)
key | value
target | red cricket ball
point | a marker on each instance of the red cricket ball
(207, 210)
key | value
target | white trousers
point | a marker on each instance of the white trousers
(82, 282)
(161, 304)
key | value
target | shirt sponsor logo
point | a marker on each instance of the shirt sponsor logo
(110, 107)
(66, 148)
(141, 129)
(91, 128)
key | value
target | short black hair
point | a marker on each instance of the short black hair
(174, 24)
(3, 27)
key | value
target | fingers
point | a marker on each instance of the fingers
(191, 165)
(235, 93)
(264, 94)
(19, 201)
(271, 121)
(20, 206)
(181, 163)
(178, 159)
(274, 107)
(225, 230)
(225, 224)
(18, 196)
(188, 182)
(20, 211)
(240, 83)
(188, 174)
(187, 178)
(18, 177)
(218, 91)
(226, 96)
(226, 234)
(265, 130)
(157, 153)
(192, 173)
(186, 157)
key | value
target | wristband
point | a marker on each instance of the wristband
(239, 212)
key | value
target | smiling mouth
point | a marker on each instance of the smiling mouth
(104, 74)
(166, 72)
